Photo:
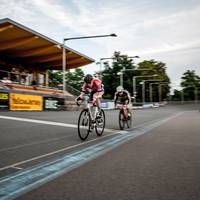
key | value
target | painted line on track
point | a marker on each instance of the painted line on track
(57, 124)
(56, 152)
(15, 185)
(15, 165)
(45, 122)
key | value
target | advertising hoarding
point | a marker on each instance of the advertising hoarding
(53, 103)
(4, 101)
(25, 102)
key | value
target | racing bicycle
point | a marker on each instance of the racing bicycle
(125, 118)
(90, 120)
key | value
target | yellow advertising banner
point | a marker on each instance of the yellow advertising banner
(25, 102)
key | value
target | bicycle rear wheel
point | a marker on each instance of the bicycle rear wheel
(100, 123)
(84, 124)
(121, 120)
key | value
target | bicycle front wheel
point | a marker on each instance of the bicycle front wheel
(121, 120)
(100, 123)
(129, 121)
(84, 123)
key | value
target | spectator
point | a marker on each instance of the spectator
(14, 75)
(6, 80)
(34, 84)
(23, 78)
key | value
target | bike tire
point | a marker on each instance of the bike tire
(84, 124)
(100, 123)
(129, 122)
(121, 120)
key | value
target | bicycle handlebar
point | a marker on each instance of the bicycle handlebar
(77, 100)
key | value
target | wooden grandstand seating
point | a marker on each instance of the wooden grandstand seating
(36, 89)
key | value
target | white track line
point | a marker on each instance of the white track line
(55, 152)
(46, 122)
(19, 168)
(113, 132)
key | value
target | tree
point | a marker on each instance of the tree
(189, 78)
(55, 78)
(110, 75)
(75, 79)
(158, 68)
(111, 78)
(176, 96)
(190, 82)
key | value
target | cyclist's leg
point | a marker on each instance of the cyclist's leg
(125, 110)
(90, 107)
(97, 97)
(91, 103)
(129, 109)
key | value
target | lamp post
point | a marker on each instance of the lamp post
(77, 38)
(134, 83)
(100, 70)
(143, 88)
(150, 91)
(159, 90)
(119, 73)
(123, 70)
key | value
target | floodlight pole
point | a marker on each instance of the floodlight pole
(159, 90)
(143, 89)
(121, 72)
(64, 61)
(134, 82)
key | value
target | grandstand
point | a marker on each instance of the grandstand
(26, 56)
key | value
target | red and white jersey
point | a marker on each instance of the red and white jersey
(96, 85)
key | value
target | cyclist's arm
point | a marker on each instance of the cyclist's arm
(128, 97)
(84, 91)
(115, 98)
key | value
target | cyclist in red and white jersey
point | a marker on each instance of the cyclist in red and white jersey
(94, 87)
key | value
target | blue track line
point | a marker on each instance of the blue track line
(15, 185)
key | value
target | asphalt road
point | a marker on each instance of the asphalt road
(44, 159)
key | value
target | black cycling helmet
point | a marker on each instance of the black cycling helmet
(88, 78)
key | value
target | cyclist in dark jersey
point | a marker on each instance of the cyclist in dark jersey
(122, 97)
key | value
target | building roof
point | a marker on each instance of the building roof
(31, 48)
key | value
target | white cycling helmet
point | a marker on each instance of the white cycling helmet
(120, 88)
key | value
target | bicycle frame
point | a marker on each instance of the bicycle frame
(124, 108)
(90, 119)
(86, 103)
(124, 118)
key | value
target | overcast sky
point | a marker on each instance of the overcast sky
(164, 30)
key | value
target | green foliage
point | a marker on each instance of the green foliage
(74, 79)
(111, 78)
(153, 68)
(190, 78)
(191, 85)
(55, 78)
(176, 96)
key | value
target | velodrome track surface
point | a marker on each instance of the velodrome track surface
(41, 156)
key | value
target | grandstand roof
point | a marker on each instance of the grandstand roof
(30, 48)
